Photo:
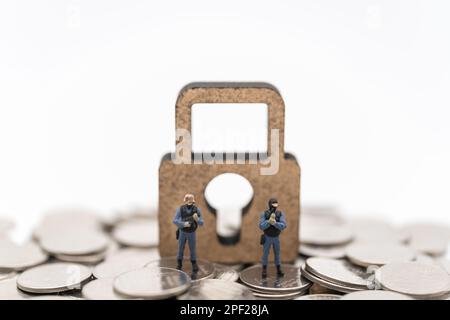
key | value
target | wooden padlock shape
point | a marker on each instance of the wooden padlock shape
(276, 175)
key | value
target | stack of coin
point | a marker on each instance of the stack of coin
(137, 232)
(289, 286)
(216, 289)
(323, 233)
(346, 261)
(378, 254)
(128, 213)
(206, 270)
(322, 296)
(54, 278)
(152, 283)
(72, 235)
(227, 273)
(124, 260)
(14, 257)
(75, 253)
(71, 244)
(418, 280)
(337, 274)
(375, 295)
(427, 238)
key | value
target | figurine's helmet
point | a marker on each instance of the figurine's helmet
(273, 203)
(189, 198)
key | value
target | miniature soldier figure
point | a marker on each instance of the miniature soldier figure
(272, 222)
(187, 218)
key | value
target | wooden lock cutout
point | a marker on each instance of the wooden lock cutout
(180, 173)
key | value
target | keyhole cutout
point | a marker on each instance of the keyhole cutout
(229, 196)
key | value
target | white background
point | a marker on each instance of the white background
(88, 88)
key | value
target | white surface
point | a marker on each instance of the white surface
(88, 90)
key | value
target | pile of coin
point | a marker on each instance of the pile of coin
(78, 254)
(370, 259)
(72, 235)
(217, 289)
(289, 286)
(335, 274)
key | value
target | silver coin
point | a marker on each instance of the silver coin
(6, 225)
(282, 296)
(414, 279)
(100, 289)
(9, 291)
(325, 235)
(67, 219)
(206, 269)
(126, 253)
(368, 254)
(53, 278)
(424, 258)
(108, 221)
(320, 297)
(90, 259)
(300, 261)
(444, 264)
(375, 295)
(141, 233)
(338, 271)
(127, 214)
(427, 238)
(113, 267)
(409, 231)
(113, 247)
(137, 212)
(237, 267)
(318, 289)
(7, 275)
(372, 230)
(336, 252)
(291, 281)
(434, 245)
(54, 297)
(152, 283)
(443, 297)
(324, 215)
(84, 259)
(224, 272)
(74, 242)
(216, 289)
(14, 257)
(325, 283)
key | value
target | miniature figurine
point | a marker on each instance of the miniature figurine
(187, 218)
(272, 222)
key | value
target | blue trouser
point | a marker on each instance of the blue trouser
(271, 241)
(190, 237)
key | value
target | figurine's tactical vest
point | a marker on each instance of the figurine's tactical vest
(187, 215)
(272, 231)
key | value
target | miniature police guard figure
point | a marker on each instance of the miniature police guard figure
(187, 218)
(272, 222)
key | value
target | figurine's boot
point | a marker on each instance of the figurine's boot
(194, 266)
(179, 264)
(280, 272)
(264, 272)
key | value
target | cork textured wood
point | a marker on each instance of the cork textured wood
(176, 178)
